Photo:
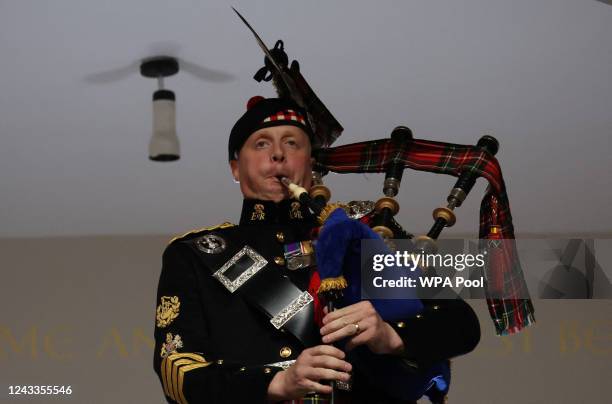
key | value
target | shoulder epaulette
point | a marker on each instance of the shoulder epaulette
(194, 232)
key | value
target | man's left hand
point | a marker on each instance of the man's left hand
(362, 325)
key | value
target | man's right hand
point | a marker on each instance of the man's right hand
(322, 362)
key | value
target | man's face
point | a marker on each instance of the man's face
(270, 153)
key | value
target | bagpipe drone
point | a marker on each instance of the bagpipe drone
(338, 249)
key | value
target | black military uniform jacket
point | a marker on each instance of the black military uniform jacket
(215, 346)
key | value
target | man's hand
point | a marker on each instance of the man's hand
(322, 362)
(363, 326)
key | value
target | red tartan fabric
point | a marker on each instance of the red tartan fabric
(286, 115)
(511, 313)
(313, 288)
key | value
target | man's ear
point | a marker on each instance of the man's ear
(235, 170)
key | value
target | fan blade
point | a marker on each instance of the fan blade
(204, 73)
(116, 74)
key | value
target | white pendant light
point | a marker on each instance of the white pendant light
(164, 144)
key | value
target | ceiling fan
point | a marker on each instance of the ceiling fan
(164, 143)
(123, 72)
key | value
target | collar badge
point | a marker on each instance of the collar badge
(258, 212)
(295, 212)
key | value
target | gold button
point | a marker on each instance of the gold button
(267, 370)
(280, 236)
(285, 352)
(279, 260)
(401, 324)
(220, 362)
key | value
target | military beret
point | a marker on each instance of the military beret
(264, 113)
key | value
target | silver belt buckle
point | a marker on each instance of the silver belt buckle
(240, 268)
(303, 300)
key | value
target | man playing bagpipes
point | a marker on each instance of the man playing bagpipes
(235, 322)
(240, 315)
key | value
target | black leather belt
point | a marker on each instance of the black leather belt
(247, 273)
